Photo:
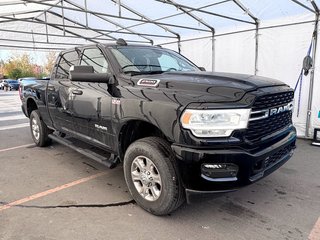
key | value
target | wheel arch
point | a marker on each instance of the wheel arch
(31, 105)
(135, 129)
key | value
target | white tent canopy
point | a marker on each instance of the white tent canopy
(268, 38)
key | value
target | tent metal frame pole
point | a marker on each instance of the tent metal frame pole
(200, 21)
(112, 22)
(43, 11)
(256, 55)
(213, 53)
(257, 23)
(20, 13)
(304, 6)
(80, 26)
(86, 12)
(61, 29)
(63, 21)
(204, 11)
(241, 31)
(101, 31)
(20, 3)
(8, 20)
(32, 48)
(40, 42)
(150, 20)
(61, 36)
(45, 19)
(178, 14)
(145, 17)
(178, 6)
(115, 16)
(312, 73)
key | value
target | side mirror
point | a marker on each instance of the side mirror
(202, 69)
(87, 74)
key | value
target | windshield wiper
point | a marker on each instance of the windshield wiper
(134, 73)
(140, 65)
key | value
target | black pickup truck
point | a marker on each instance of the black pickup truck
(177, 129)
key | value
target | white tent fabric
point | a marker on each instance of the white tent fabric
(284, 35)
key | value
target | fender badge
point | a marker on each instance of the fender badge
(148, 82)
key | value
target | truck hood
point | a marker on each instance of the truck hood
(208, 86)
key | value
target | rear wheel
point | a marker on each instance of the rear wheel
(39, 129)
(152, 176)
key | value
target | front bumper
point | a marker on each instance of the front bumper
(252, 166)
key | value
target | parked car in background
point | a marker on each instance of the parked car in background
(1, 84)
(26, 79)
(11, 84)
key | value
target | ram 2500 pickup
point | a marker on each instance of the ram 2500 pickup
(177, 130)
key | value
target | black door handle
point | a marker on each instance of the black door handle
(77, 92)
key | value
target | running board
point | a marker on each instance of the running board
(110, 162)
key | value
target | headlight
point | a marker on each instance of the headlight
(215, 123)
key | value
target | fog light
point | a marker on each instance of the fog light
(219, 172)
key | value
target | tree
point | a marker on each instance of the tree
(21, 65)
(51, 59)
(15, 73)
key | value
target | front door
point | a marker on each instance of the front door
(91, 102)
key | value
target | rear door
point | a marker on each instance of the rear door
(92, 102)
(59, 93)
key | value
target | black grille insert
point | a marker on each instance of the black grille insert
(259, 129)
(272, 100)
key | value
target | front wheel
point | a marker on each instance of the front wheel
(152, 176)
(39, 129)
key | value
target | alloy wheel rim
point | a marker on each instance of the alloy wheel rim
(35, 129)
(146, 178)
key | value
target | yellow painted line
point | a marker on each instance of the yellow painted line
(315, 232)
(17, 147)
(53, 190)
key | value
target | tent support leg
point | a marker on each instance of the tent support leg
(315, 42)
(213, 53)
(45, 19)
(62, 12)
(256, 55)
(86, 12)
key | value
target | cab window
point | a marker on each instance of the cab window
(94, 57)
(66, 61)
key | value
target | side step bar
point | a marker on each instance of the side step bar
(110, 162)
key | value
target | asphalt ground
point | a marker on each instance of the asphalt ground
(56, 193)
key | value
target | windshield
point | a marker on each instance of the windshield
(12, 81)
(147, 60)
